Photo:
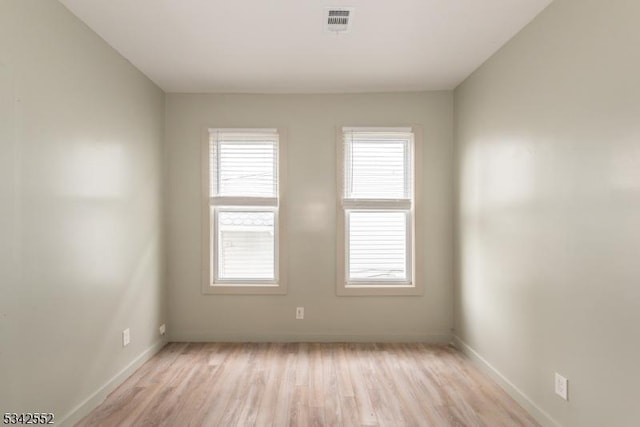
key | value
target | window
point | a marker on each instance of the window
(377, 212)
(244, 250)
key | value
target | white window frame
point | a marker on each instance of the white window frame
(211, 205)
(414, 283)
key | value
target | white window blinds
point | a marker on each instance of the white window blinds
(377, 246)
(377, 165)
(243, 163)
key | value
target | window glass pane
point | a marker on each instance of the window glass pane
(246, 245)
(376, 166)
(245, 167)
(377, 245)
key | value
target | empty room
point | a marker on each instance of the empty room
(320, 213)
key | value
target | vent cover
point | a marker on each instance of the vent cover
(338, 19)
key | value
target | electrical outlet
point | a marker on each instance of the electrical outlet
(163, 329)
(562, 386)
(126, 337)
(299, 313)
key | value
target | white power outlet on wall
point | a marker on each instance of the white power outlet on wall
(126, 337)
(562, 386)
(162, 329)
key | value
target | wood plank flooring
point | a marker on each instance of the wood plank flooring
(308, 384)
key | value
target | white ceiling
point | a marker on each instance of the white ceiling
(281, 46)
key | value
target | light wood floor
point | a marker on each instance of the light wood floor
(298, 384)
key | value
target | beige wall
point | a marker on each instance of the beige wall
(80, 210)
(548, 148)
(311, 122)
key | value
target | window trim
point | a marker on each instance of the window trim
(208, 213)
(415, 284)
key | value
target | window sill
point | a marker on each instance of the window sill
(239, 289)
(378, 290)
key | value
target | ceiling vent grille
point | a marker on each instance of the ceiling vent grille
(339, 19)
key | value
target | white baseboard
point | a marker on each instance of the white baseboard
(101, 394)
(518, 395)
(293, 337)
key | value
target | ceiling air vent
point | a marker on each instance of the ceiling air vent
(339, 19)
